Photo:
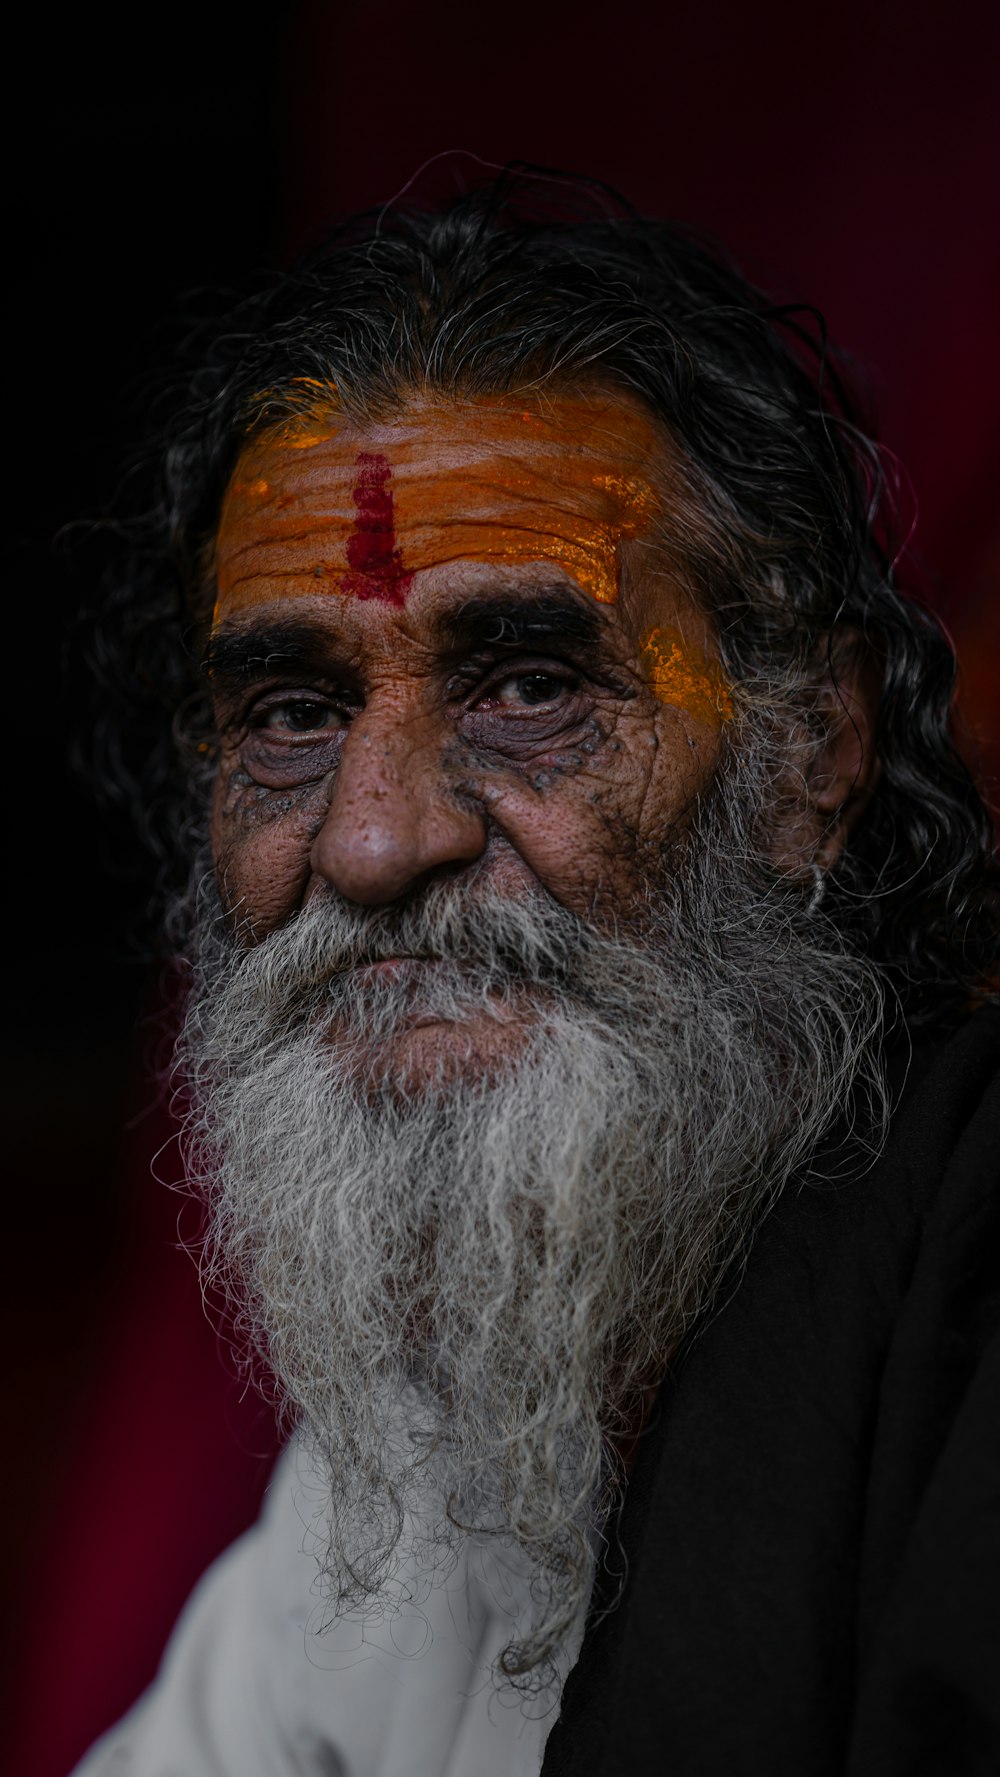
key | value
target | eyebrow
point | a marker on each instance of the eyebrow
(244, 655)
(237, 655)
(498, 619)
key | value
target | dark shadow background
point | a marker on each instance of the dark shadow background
(848, 155)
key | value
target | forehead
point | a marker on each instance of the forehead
(321, 507)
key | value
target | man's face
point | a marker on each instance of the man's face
(468, 721)
(447, 645)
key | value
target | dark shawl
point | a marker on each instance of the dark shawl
(812, 1529)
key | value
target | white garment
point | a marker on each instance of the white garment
(253, 1685)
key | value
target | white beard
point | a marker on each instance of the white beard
(463, 1291)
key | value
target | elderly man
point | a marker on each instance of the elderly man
(589, 1052)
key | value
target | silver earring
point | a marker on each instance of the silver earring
(819, 890)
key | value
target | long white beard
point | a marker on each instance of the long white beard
(464, 1290)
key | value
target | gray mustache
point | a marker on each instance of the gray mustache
(534, 942)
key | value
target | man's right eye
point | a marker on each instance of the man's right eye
(299, 715)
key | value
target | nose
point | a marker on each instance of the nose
(394, 816)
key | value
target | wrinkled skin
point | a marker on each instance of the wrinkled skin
(368, 745)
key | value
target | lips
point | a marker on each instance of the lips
(410, 997)
(391, 968)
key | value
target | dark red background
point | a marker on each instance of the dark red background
(849, 155)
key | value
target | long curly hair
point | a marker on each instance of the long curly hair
(530, 280)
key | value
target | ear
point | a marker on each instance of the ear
(842, 774)
(845, 771)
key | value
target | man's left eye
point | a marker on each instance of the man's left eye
(529, 688)
(299, 716)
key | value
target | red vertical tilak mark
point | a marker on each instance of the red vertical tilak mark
(375, 560)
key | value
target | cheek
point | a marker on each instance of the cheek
(261, 844)
(569, 827)
(593, 837)
(685, 754)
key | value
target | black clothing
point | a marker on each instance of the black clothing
(813, 1525)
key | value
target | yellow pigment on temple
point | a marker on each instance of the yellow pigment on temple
(680, 674)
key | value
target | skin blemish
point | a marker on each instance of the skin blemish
(681, 675)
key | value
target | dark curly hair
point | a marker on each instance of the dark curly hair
(530, 279)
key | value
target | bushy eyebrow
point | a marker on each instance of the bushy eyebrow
(499, 619)
(241, 655)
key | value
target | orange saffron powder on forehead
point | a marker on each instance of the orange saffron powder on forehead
(680, 674)
(319, 504)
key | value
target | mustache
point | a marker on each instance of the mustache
(476, 929)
